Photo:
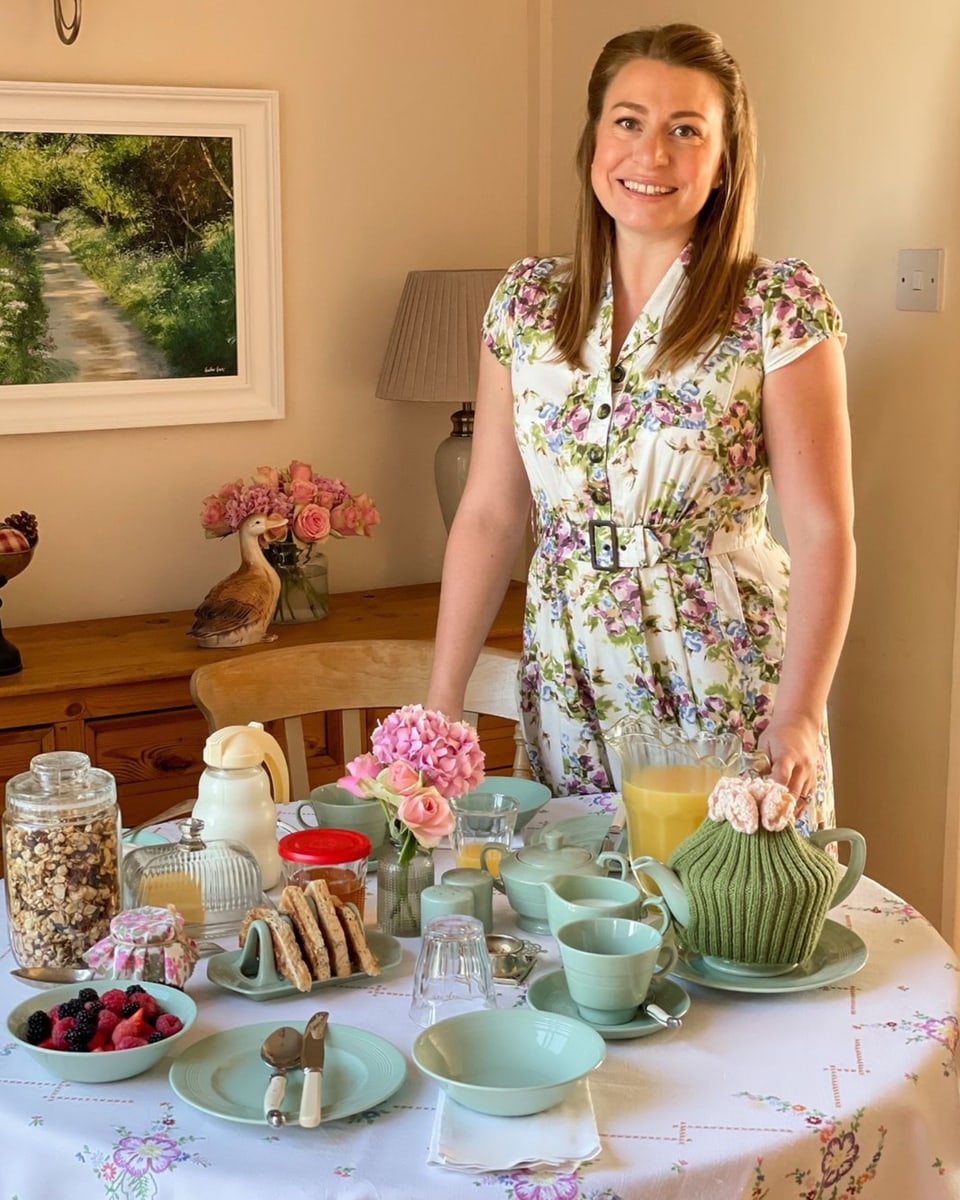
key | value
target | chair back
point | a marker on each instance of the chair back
(287, 684)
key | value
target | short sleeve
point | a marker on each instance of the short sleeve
(517, 308)
(797, 312)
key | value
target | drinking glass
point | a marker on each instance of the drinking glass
(453, 972)
(482, 818)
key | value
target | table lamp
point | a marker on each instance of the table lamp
(434, 354)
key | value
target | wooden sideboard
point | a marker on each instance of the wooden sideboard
(118, 689)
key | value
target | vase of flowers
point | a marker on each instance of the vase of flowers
(419, 762)
(316, 508)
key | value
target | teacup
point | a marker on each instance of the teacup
(577, 897)
(333, 807)
(609, 963)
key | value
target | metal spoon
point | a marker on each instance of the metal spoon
(281, 1050)
(661, 1016)
(47, 977)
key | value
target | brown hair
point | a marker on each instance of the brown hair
(722, 249)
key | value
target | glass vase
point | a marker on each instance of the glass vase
(399, 887)
(304, 585)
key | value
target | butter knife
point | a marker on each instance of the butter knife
(611, 839)
(311, 1059)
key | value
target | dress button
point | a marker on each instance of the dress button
(618, 374)
(598, 495)
(596, 454)
(603, 411)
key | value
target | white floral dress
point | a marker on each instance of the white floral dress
(657, 586)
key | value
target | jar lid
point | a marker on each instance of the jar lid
(324, 846)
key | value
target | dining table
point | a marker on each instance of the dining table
(838, 1080)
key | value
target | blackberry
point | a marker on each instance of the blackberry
(87, 1022)
(93, 1006)
(26, 523)
(38, 1027)
(155, 1037)
(134, 988)
(129, 1009)
(88, 994)
(71, 1008)
(77, 1038)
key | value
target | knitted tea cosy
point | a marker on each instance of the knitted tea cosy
(757, 891)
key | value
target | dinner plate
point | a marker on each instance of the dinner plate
(548, 993)
(223, 1074)
(839, 954)
(224, 970)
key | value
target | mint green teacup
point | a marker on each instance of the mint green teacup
(333, 807)
(609, 963)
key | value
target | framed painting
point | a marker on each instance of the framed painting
(140, 278)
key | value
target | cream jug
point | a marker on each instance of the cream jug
(234, 798)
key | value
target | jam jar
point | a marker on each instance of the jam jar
(61, 843)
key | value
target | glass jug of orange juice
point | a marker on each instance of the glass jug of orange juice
(666, 779)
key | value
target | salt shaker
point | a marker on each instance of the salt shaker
(61, 843)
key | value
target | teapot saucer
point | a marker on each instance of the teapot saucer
(839, 954)
(548, 993)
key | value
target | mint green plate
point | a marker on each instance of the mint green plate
(548, 993)
(223, 1074)
(839, 954)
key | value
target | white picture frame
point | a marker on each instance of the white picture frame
(250, 119)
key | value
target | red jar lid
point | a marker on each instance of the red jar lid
(324, 846)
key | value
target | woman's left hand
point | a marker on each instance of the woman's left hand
(792, 744)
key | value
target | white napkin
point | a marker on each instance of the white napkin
(559, 1139)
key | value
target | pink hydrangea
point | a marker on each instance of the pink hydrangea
(446, 753)
(749, 801)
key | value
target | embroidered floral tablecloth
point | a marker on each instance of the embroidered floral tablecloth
(849, 1090)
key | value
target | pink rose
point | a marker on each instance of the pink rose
(213, 517)
(427, 815)
(364, 766)
(401, 778)
(368, 514)
(268, 476)
(311, 524)
(345, 519)
(303, 491)
(301, 471)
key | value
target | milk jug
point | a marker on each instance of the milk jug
(245, 778)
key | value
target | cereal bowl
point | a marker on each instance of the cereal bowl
(80, 1066)
(531, 795)
(508, 1062)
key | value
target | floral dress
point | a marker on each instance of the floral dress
(657, 587)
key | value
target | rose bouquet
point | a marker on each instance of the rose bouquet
(419, 762)
(316, 508)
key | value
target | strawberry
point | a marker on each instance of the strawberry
(129, 1043)
(136, 1026)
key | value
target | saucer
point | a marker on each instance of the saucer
(839, 954)
(548, 993)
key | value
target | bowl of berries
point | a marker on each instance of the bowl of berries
(102, 1031)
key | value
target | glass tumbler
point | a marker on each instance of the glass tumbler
(482, 818)
(453, 972)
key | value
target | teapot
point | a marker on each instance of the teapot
(754, 904)
(666, 779)
(523, 873)
(234, 798)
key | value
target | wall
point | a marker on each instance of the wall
(858, 107)
(395, 144)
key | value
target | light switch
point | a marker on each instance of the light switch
(920, 280)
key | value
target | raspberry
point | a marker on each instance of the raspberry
(168, 1024)
(107, 1021)
(58, 1035)
(149, 1005)
(129, 1043)
(114, 1000)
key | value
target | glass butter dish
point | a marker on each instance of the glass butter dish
(211, 884)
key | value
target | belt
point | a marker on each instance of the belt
(608, 546)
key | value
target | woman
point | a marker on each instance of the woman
(643, 393)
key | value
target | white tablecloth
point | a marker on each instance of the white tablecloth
(845, 1091)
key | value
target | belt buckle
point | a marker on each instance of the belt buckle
(606, 557)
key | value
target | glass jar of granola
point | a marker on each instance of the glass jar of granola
(61, 843)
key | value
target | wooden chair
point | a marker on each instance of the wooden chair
(292, 682)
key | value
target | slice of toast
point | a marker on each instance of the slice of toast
(336, 939)
(300, 911)
(287, 956)
(360, 952)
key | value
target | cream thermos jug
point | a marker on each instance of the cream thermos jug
(245, 778)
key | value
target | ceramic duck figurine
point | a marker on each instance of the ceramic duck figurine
(237, 610)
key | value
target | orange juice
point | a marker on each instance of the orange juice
(468, 855)
(664, 805)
